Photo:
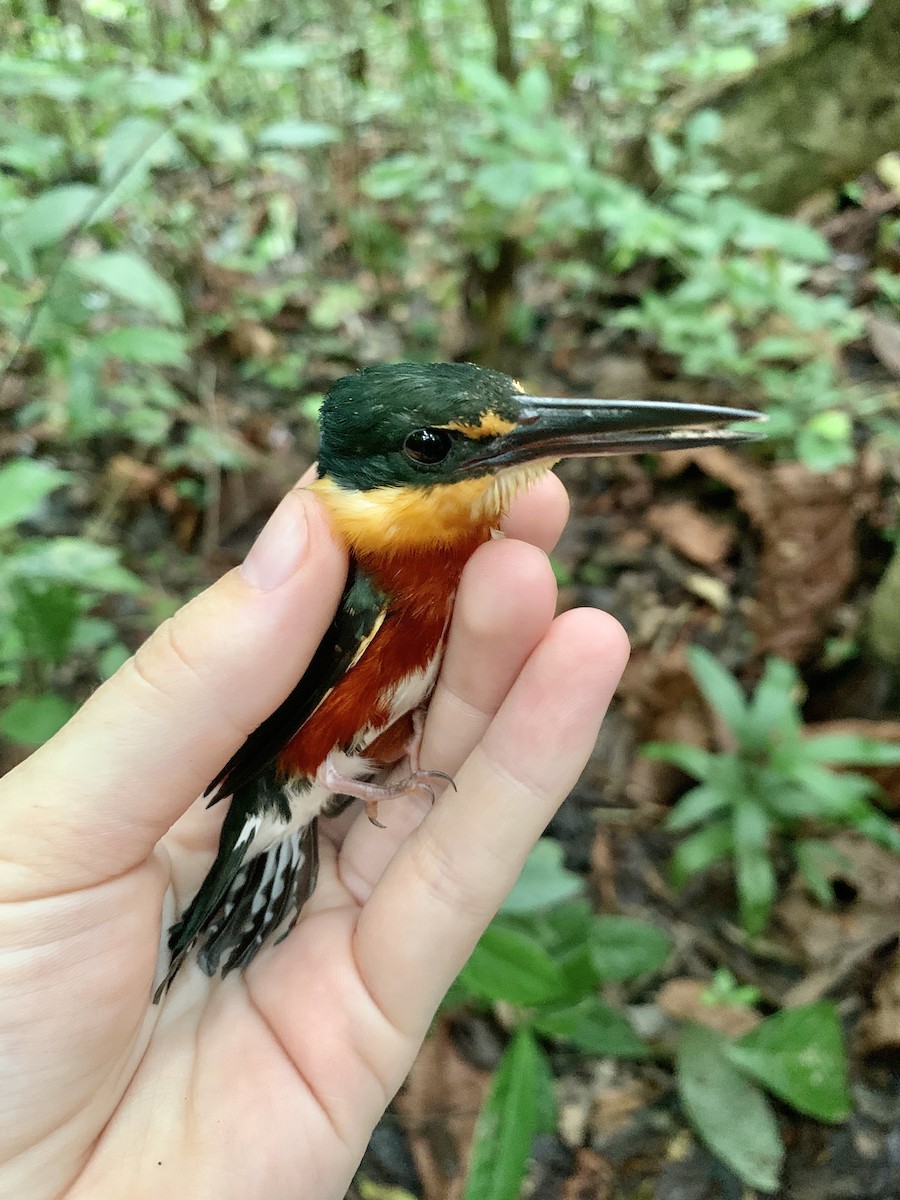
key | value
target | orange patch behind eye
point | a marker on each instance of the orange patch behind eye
(491, 424)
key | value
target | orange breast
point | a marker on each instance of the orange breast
(422, 587)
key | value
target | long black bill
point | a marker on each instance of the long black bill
(548, 427)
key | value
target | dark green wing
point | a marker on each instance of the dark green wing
(359, 614)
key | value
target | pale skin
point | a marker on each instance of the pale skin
(268, 1084)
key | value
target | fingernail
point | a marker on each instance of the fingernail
(280, 547)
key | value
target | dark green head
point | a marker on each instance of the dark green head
(406, 424)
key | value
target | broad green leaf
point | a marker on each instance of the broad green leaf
(507, 1125)
(593, 1027)
(53, 215)
(144, 344)
(700, 851)
(130, 278)
(24, 483)
(730, 1113)
(543, 881)
(695, 806)
(509, 965)
(275, 55)
(46, 618)
(71, 560)
(849, 749)
(298, 135)
(799, 1055)
(132, 146)
(157, 90)
(545, 1093)
(720, 688)
(690, 759)
(624, 947)
(535, 90)
(31, 720)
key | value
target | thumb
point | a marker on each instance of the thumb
(94, 801)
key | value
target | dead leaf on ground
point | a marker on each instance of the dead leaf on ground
(615, 1104)
(833, 941)
(593, 1178)
(879, 1029)
(131, 479)
(689, 531)
(439, 1106)
(684, 1000)
(884, 338)
(807, 524)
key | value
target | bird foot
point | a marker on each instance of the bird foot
(372, 794)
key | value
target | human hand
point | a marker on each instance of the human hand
(268, 1084)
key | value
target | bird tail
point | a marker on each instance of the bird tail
(241, 904)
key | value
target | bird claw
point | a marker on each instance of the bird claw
(373, 793)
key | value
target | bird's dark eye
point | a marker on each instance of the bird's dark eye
(427, 446)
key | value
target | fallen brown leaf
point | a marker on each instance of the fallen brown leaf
(884, 337)
(683, 999)
(879, 1029)
(833, 941)
(689, 531)
(592, 1179)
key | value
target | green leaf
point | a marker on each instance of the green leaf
(757, 886)
(720, 688)
(730, 1113)
(814, 857)
(690, 759)
(774, 707)
(624, 947)
(31, 720)
(593, 1026)
(696, 806)
(72, 560)
(46, 618)
(700, 851)
(53, 215)
(849, 749)
(130, 278)
(144, 344)
(128, 145)
(507, 1125)
(157, 90)
(544, 880)
(298, 135)
(276, 55)
(509, 965)
(799, 1055)
(24, 483)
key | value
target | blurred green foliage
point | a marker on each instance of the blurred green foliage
(48, 587)
(775, 788)
(124, 123)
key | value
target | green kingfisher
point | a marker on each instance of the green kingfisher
(417, 465)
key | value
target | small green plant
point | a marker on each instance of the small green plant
(545, 957)
(48, 587)
(797, 1055)
(774, 789)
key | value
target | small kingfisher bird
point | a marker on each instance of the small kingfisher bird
(417, 465)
